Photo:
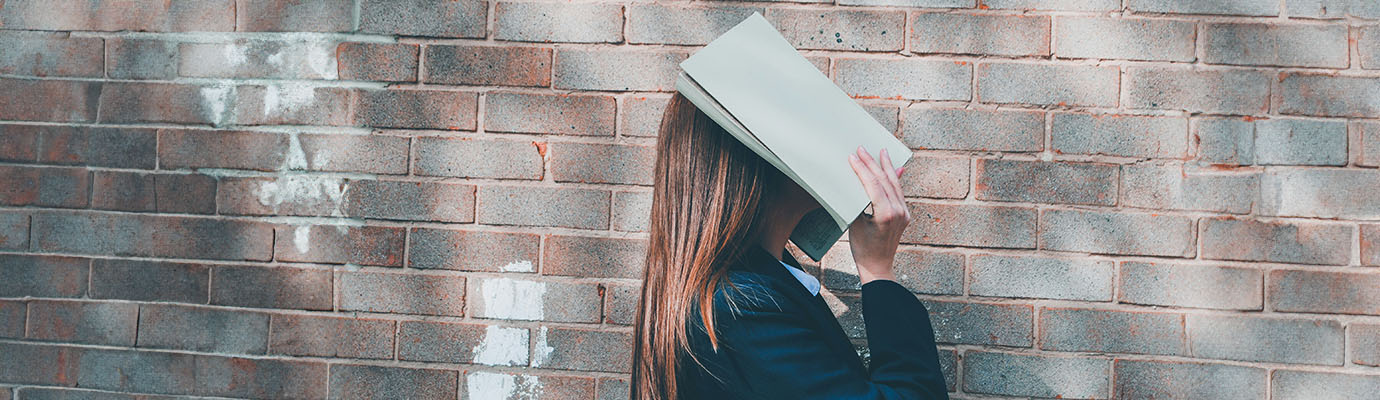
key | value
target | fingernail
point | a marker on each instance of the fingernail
(852, 157)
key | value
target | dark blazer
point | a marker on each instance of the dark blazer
(777, 341)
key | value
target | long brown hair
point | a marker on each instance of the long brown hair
(707, 194)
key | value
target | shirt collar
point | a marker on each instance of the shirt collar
(811, 283)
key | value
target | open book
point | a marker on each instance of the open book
(754, 84)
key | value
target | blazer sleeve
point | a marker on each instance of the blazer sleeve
(786, 357)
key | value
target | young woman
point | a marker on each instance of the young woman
(726, 313)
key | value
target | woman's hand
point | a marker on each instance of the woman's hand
(874, 238)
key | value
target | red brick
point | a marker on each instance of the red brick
(1001, 35)
(98, 147)
(12, 316)
(42, 54)
(843, 29)
(1046, 182)
(1370, 244)
(970, 225)
(373, 382)
(202, 329)
(44, 186)
(1229, 238)
(462, 343)
(14, 231)
(389, 62)
(403, 293)
(152, 236)
(340, 244)
(83, 322)
(185, 193)
(304, 335)
(43, 276)
(188, 148)
(164, 102)
(416, 109)
(616, 69)
(601, 163)
(427, 201)
(488, 65)
(1185, 285)
(116, 15)
(123, 191)
(543, 206)
(61, 101)
(1324, 292)
(533, 300)
(564, 114)
(19, 143)
(479, 158)
(582, 350)
(640, 115)
(150, 281)
(259, 378)
(1107, 331)
(463, 18)
(295, 195)
(558, 22)
(294, 15)
(473, 250)
(271, 287)
(18, 365)
(594, 257)
(291, 104)
(128, 58)
(616, 388)
(683, 24)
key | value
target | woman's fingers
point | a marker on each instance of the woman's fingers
(893, 184)
(884, 207)
(869, 181)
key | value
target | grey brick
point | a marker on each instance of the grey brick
(405, 293)
(593, 257)
(1120, 135)
(1218, 7)
(1370, 244)
(43, 276)
(14, 231)
(259, 59)
(1176, 187)
(462, 343)
(840, 29)
(980, 130)
(150, 281)
(908, 3)
(970, 225)
(631, 211)
(373, 382)
(1004, 35)
(1187, 285)
(202, 329)
(1333, 9)
(1116, 233)
(601, 163)
(1107, 331)
(1276, 45)
(1224, 141)
(431, 201)
(982, 323)
(1323, 292)
(616, 69)
(887, 115)
(473, 250)
(1365, 344)
(1041, 277)
(935, 177)
(141, 58)
(683, 24)
(640, 115)
(13, 313)
(1290, 385)
(477, 158)
(1330, 96)
(1040, 84)
(347, 337)
(543, 206)
(898, 79)
(1366, 143)
(462, 18)
(532, 300)
(1035, 376)
(1322, 193)
(1300, 142)
(1054, 5)
(1229, 238)
(582, 350)
(1295, 341)
(83, 322)
(1204, 91)
(1178, 380)
(558, 22)
(1369, 44)
(1124, 38)
(920, 271)
(1046, 182)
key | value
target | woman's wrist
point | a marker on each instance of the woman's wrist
(865, 275)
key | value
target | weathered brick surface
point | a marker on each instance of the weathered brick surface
(1186, 285)
(1117, 233)
(1299, 341)
(1051, 85)
(979, 34)
(1229, 238)
(1124, 38)
(415, 198)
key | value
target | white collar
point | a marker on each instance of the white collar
(811, 283)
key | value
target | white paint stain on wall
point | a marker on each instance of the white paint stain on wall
(513, 299)
(517, 266)
(502, 346)
(301, 238)
(215, 100)
(287, 97)
(491, 385)
(541, 352)
(235, 54)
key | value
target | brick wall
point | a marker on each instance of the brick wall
(448, 199)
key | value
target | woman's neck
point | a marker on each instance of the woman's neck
(777, 225)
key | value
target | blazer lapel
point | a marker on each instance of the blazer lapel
(760, 261)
